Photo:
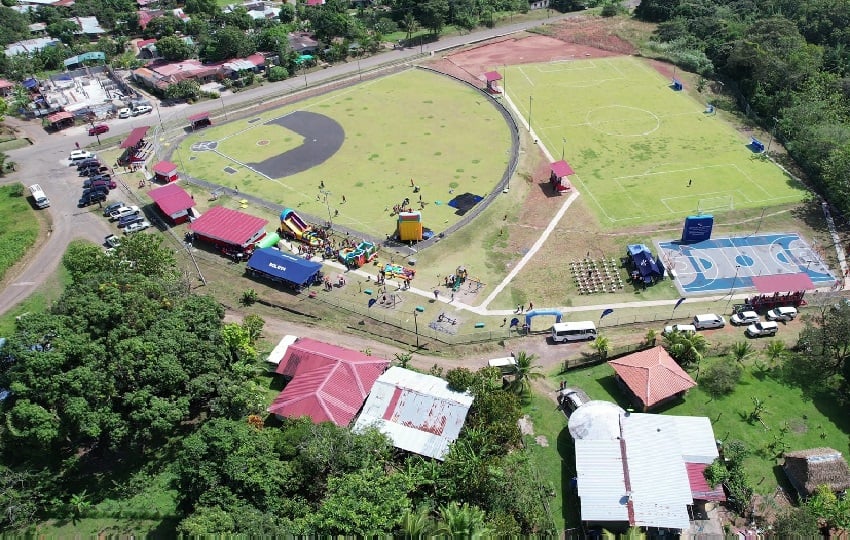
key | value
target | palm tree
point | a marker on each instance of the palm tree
(601, 345)
(524, 372)
(686, 347)
(775, 350)
(650, 337)
(416, 524)
(409, 24)
(741, 350)
(466, 522)
(403, 359)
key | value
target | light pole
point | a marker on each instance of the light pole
(529, 113)
(732, 288)
(359, 73)
(772, 134)
(563, 147)
(328, 204)
(416, 326)
(223, 110)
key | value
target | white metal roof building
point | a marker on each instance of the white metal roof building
(601, 482)
(417, 412)
(696, 439)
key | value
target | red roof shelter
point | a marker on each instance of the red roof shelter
(491, 77)
(199, 120)
(230, 230)
(174, 202)
(328, 383)
(165, 172)
(780, 290)
(652, 377)
(560, 170)
(135, 137)
(61, 119)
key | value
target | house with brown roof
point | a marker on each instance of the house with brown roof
(808, 469)
(651, 377)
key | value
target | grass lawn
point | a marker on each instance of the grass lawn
(641, 151)
(415, 125)
(810, 422)
(18, 225)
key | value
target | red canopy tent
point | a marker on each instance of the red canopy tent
(174, 202)
(560, 170)
(165, 172)
(780, 290)
(491, 77)
(199, 120)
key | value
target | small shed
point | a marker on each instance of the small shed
(290, 270)
(200, 120)
(651, 377)
(165, 172)
(231, 231)
(808, 469)
(174, 202)
(490, 78)
(60, 120)
(558, 174)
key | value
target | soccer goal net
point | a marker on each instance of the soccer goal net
(713, 204)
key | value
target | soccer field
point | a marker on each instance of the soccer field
(642, 152)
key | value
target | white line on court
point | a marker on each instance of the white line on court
(526, 77)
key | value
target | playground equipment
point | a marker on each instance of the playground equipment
(398, 271)
(409, 226)
(270, 240)
(357, 257)
(292, 226)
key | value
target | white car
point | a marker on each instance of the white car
(782, 314)
(112, 241)
(745, 317)
(80, 155)
(136, 227)
(125, 113)
(122, 212)
(683, 328)
(762, 329)
(142, 109)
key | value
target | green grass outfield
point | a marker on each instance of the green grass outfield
(635, 144)
(412, 125)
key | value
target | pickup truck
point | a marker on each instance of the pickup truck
(122, 212)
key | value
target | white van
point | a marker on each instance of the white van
(505, 365)
(38, 196)
(573, 331)
(708, 320)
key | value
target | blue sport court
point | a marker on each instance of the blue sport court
(722, 264)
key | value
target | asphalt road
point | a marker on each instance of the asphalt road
(45, 162)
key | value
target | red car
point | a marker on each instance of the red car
(98, 129)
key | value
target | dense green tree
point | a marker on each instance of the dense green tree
(460, 379)
(822, 351)
(796, 523)
(228, 43)
(656, 10)
(174, 48)
(64, 30)
(164, 26)
(205, 7)
(185, 89)
(526, 371)
(14, 26)
(432, 14)
(721, 378)
(287, 13)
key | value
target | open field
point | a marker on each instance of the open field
(411, 127)
(642, 152)
(18, 225)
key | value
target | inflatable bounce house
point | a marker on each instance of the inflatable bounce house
(292, 226)
(398, 271)
(357, 257)
(410, 226)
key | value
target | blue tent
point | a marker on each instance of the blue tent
(644, 263)
(283, 267)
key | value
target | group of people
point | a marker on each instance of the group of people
(520, 308)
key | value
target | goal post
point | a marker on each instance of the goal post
(714, 204)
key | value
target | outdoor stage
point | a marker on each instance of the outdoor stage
(724, 264)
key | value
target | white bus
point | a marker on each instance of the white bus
(38, 196)
(573, 331)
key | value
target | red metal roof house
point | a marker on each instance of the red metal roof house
(229, 230)
(165, 172)
(651, 377)
(174, 202)
(328, 383)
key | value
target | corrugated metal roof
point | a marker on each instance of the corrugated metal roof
(699, 485)
(229, 226)
(418, 412)
(659, 482)
(652, 375)
(696, 439)
(601, 480)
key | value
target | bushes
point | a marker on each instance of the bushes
(278, 73)
(721, 378)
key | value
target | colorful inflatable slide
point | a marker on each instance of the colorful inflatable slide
(293, 226)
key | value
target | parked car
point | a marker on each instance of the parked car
(762, 329)
(105, 180)
(126, 112)
(137, 226)
(683, 328)
(108, 184)
(570, 399)
(708, 320)
(128, 220)
(95, 171)
(117, 214)
(112, 241)
(98, 129)
(111, 207)
(87, 163)
(91, 197)
(782, 314)
(745, 317)
(142, 109)
(78, 156)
